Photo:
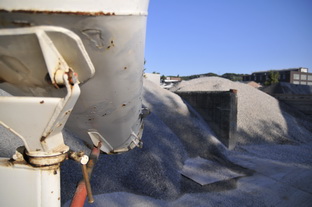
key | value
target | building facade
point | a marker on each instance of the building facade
(299, 76)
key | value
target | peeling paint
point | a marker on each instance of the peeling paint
(100, 13)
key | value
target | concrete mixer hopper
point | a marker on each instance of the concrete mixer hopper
(74, 64)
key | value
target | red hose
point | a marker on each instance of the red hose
(80, 195)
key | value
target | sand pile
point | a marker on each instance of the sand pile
(260, 116)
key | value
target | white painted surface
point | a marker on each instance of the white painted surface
(23, 185)
(155, 78)
(51, 114)
(119, 7)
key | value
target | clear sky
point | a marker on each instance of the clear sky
(186, 37)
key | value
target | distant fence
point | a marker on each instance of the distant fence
(218, 109)
(302, 103)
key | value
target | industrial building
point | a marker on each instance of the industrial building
(299, 76)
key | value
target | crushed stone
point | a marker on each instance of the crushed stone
(260, 117)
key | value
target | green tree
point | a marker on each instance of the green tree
(163, 77)
(273, 78)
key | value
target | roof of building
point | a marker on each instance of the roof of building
(280, 70)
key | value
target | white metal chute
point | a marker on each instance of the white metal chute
(28, 54)
(39, 121)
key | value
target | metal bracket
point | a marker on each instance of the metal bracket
(39, 121)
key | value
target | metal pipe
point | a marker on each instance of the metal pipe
(87, 183)
(81, 191)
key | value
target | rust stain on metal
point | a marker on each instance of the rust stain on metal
(111, 44)
(67, 112)
(42, 139)
(99, 13)
(233, 91)
(123, 104)
(72, 76)
(50, 163)
(9, 163)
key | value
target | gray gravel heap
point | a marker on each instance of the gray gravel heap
(260, 116)
(288, 88)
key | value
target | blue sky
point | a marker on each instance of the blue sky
(186, 37)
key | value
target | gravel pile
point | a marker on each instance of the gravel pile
(173, 133)
(183, 120)
(261, 118)
(288, 88)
